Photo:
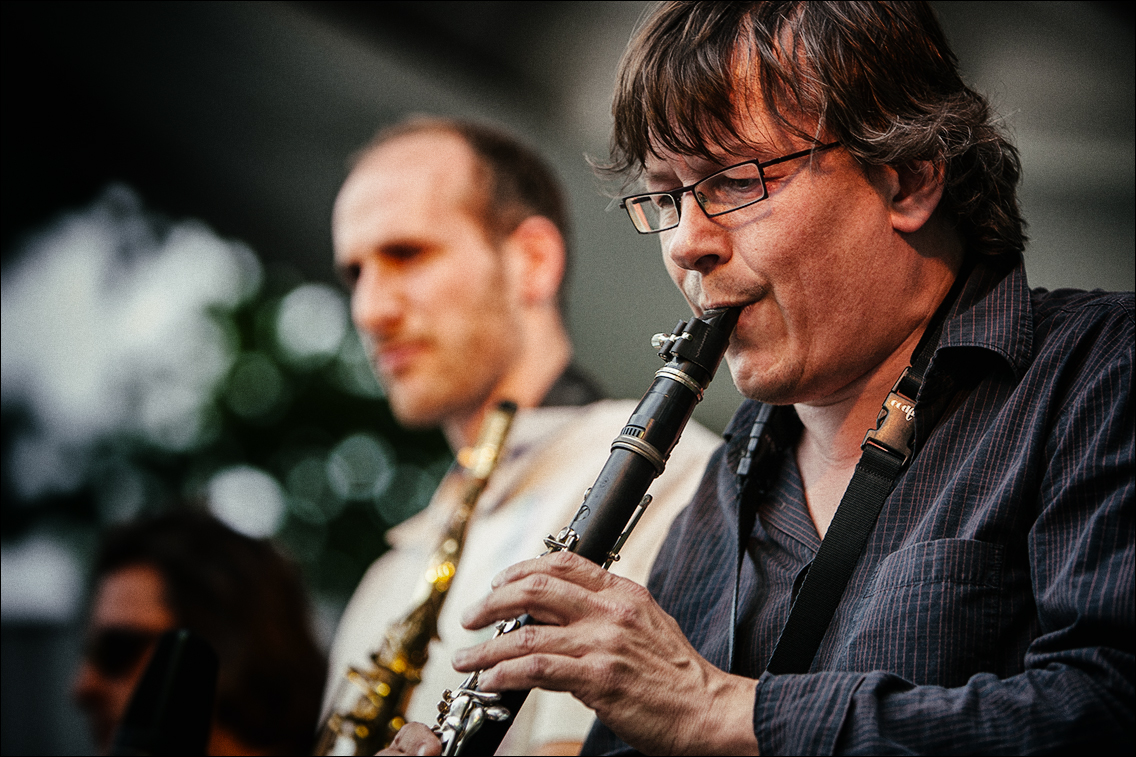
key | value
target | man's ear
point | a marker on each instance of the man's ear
(538, 254)
(914, 190)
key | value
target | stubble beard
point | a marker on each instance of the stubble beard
(437, 399)
(762, 384)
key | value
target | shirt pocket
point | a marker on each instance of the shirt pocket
(931, 613)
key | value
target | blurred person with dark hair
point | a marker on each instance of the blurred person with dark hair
(185, 569)
(453, 239)
(919, 536)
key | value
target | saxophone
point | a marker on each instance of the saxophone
(472, 721)
(370, 705)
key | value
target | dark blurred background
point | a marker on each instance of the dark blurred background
(172, 330)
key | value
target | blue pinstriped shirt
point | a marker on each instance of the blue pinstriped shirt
(993, 608)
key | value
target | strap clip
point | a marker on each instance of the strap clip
(895, 425)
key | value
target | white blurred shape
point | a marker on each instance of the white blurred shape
(40, 581)
(105, 327)
(248, 500)
(53, 324)
(45, 464)
(311, 323)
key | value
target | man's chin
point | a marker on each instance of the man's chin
(415, 421)
(762, 385)
(414, 413)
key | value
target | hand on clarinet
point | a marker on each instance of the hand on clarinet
(414, 738)
(608, 642)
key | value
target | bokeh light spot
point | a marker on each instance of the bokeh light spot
(352, 371)
(248, 500)
(255, 386)
(360, 467)
(310, 498)
(310, 324)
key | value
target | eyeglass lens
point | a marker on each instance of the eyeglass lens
(652, 212)
(731, 189)
(719, 193)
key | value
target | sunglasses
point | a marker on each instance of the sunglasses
(114, 652)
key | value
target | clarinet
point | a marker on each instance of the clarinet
(473, 721)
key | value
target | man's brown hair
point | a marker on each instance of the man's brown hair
(878, 77)
(514, 182)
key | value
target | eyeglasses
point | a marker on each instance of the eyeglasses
(722, 192)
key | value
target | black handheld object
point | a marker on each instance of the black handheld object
(638, 455)
(171, 711)
(640, 452)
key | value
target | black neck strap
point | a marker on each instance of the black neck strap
(887, 451)
(760, 447)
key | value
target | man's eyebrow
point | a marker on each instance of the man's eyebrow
(710, 165)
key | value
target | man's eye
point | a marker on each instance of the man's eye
(742, 185)
(736, 186)
(349, 275)
(403, 252)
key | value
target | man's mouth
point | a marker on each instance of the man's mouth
(737, 302)
(394, 358)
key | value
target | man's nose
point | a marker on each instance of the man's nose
(377, 304)
(698, 243)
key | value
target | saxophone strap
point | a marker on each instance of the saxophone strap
(887, 453)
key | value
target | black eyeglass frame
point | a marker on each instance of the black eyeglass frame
(676, 194)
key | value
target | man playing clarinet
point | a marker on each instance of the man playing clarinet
(919, 534)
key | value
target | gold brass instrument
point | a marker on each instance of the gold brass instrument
(370, 706)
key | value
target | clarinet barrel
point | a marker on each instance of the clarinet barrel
(475, 722)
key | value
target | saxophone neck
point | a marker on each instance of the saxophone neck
(479, 460)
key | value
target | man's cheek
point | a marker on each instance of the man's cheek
(675, 272)
(687, 282)
(742, 381)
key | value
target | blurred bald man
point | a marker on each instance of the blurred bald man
(452, 237)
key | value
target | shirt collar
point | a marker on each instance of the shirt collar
(993, 313)
(572, 388)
